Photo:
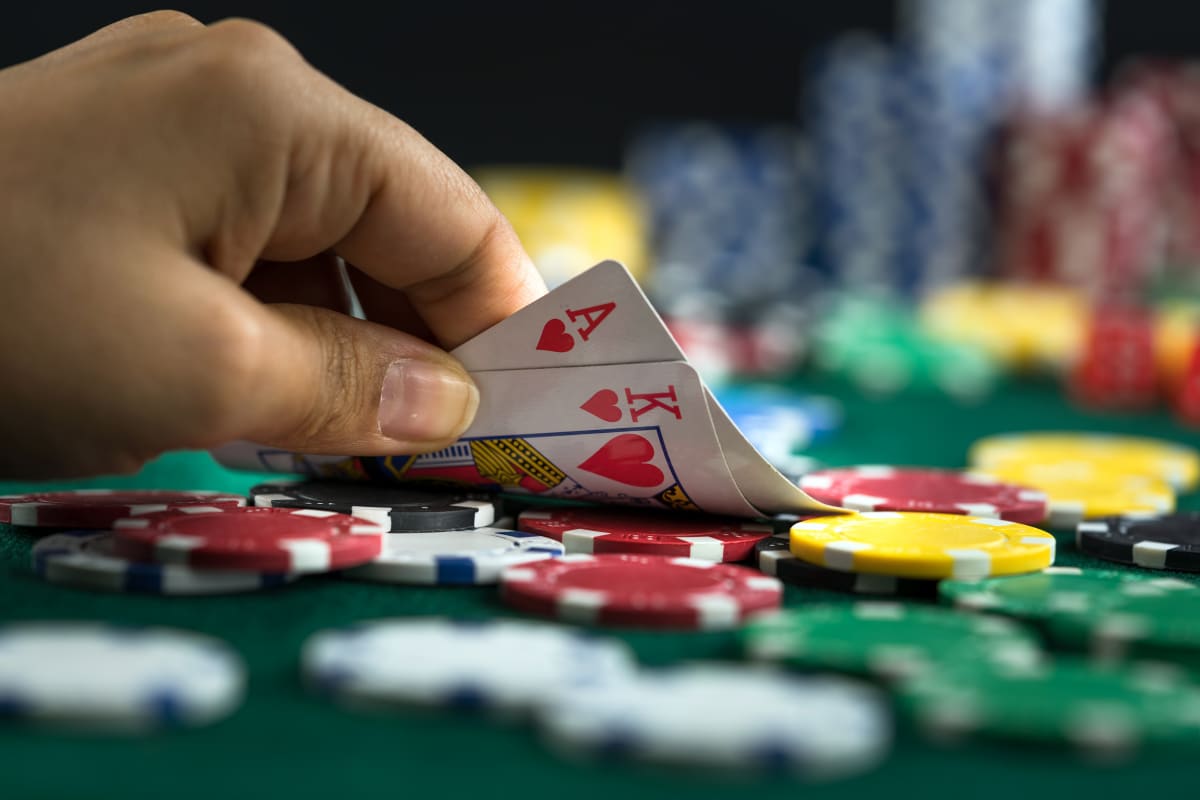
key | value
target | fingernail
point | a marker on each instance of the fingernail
(424, 402)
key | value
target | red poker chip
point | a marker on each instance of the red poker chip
(99, 508)
(603, 530)
(938, 491)
(261, 539)
(640, 591)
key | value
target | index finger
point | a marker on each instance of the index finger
(367, 185)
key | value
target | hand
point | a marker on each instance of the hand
(156, 177)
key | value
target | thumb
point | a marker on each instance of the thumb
(339, 385)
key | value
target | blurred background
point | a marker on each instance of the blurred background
(909, 196)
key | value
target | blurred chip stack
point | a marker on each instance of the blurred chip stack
(728, 242)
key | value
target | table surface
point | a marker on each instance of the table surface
(285, 742)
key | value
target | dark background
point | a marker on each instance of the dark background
(567, 82)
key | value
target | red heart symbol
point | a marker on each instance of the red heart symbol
(555, 337)
(603, 404)
(623, 459)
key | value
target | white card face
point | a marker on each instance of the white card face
(599, 317)
(636, 434)
(583, 394)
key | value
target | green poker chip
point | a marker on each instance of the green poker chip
(1057, 592)
(891, 641)
(1156, 626)
(1108, 712)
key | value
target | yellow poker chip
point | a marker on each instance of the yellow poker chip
(920, 545)
(1176, 464)
(1079, 490)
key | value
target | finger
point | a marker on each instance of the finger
(366, 184)
(306, 378)
(151, 23)
(315, 281)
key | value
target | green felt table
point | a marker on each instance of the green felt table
(284, 742)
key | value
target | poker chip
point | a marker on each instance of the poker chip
(1176, 464)
(454, 557)
(259, 539)
(392, 508)
(1099, 712)
(1161, 625)
(640, 591)
(601, 530)
(87, 560)
(1055, 591)
(1081, 490)
(911, 544)
(507, 666)
(95, 676)
(99, 508)
(774, 557)
(1153, 541)
(883, 488)
(730, 717)
(887, 640)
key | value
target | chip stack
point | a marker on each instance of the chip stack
(728, 243)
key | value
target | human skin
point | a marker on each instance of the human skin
(176, 194)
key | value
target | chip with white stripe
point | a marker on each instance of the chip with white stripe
(1153, 541)
(919, 545)
(394, 508)
(262, 539)
(623, 589)
(614, 530)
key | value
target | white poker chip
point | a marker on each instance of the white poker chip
(86, 560)
(505, 666)
(734, 717)
(469, 557)
(94, 676)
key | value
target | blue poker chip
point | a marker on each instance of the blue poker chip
(95, 676)
(87, 560)
(464, 558)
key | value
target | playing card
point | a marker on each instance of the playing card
(584, 394)
(599, 317)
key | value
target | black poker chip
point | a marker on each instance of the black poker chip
(774, 557)
(399, 509)
(1153, 541)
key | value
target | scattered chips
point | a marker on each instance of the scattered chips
(733, 717)
(1176, 464)
(1153, 541)
(918, 545)
(884, 488)
(392, 508)
(454, 557)
(887, 640)
(640, 591)
(774, 557)
(508, 666)
(1079, 490)
(266, 539)
(601, 530)
(99, 508)
(88, 560)
(95, 676)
